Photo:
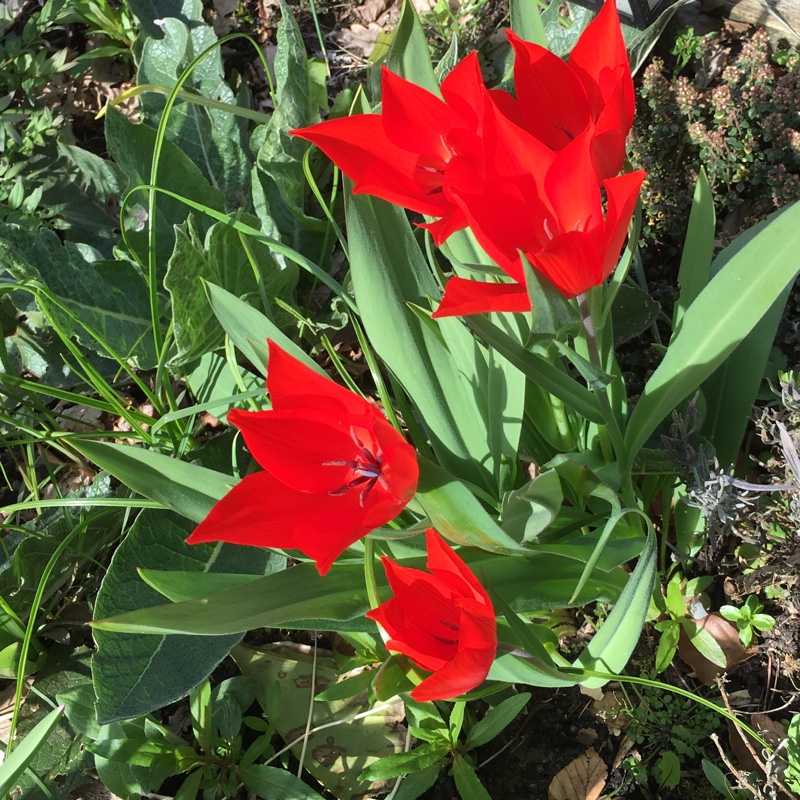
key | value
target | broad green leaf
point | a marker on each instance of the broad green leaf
(221, 260)
(191, 314)
(81, 185)
(561, 38)
(667, 770)
(698, 248)
(299, 598)
(79, 707)
(388, 272)
(410, 55)
(632, 312)
(467, 782)
(274, 783)
(279, 183)
(721, 317)
(26, 750)
(457, 515)
(188, 489)
(137, 674)
(249, 329)
(282, 677)
(526, 21)
(105, 301)
(731, 391)
(131, 146)
(496, 720)
(214, 140)
(611, 647)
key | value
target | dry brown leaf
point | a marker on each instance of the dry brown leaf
(771, 731)
(358, 39)
(726, 636)
(582, 779)
(371, 10)
(612, 709)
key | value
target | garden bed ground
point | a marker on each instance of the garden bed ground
(758, 553)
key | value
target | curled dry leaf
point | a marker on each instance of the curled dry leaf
(726, 636)
(584, 778)
(770, 730)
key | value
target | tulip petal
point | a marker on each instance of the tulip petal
(463, 297)
(416, 120)
(572, 190)
(445, 565)
(466, 671)
(358, 145)
(552, 99)
(599, 49)
(621, 193)
(571, 262)
(291, 384)
(464, 91)
(303, 449)
(263, 512)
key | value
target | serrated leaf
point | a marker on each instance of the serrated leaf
(109, 297)
(214, 140)
(136, 674)
(131, 146)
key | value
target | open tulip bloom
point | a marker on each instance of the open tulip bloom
(333, 469)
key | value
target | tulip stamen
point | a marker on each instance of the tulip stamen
(367, 471)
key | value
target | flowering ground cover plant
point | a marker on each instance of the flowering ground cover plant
(476, 476)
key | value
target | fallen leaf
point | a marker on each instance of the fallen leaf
(584, 778)
(726, 636)
(371, 10)
(359, 40)
(771, 731)
(612, 709)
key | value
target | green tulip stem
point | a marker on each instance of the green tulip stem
(369, 573)
(611, 424)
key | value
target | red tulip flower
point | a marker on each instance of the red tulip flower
(403, 154)
(556, 219)
(442, 620)
(333, 469)
(559, 101)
